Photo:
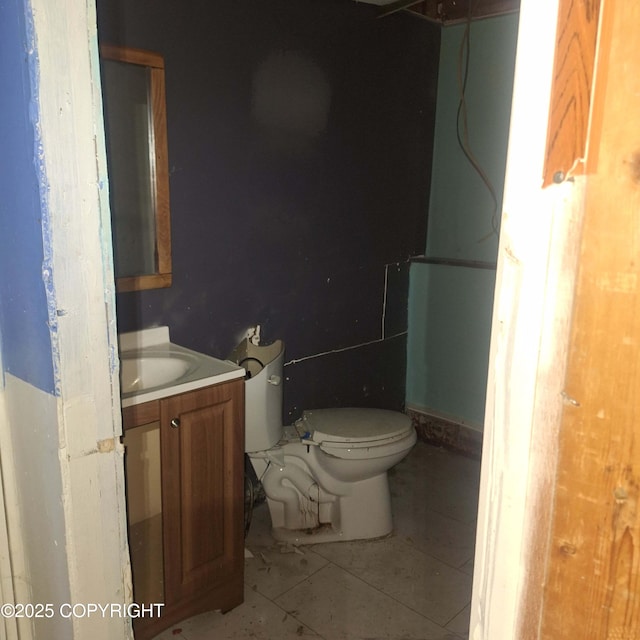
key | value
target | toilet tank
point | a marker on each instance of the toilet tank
(263, 392)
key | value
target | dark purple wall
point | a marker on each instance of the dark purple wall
(300, 142)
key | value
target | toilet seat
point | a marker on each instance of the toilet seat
(354, 428)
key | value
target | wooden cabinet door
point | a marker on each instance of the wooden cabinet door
(202, 451)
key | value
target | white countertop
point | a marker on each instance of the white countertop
(202, 370)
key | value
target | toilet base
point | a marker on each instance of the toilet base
(364, 514)
(322, 534)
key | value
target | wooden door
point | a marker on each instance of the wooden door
(202, 449)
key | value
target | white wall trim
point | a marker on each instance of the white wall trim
(82, 308)
(12, 588)
(534, 293)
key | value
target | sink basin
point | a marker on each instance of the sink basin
(152, 367)
(150, 371)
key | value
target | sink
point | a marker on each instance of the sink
(151, 370)
(152, 367)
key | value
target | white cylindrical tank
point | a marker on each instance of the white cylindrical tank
(263, 393)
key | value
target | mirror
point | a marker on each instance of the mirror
(135, 117)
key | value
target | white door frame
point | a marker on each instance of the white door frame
(539, 240)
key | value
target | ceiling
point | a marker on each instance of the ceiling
(448, 11)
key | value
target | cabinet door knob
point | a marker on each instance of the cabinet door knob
(175, 423)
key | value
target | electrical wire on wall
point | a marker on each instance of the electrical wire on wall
(462, 127)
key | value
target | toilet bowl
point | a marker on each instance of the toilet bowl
(325, 477)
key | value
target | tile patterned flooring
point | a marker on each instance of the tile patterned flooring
(413, 585)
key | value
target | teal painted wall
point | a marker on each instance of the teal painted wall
(449, 329)
(461, 207)
(450, 307)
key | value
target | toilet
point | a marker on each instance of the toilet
(325, 477)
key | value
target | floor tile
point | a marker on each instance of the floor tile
(413, 585)
(433, 461)
(467, 567)
(460, 624)
(173, 633)
(398, 569)
(260, 528)
(276, 568)
(442, 537)
(439, 480)
(340, 606)
(257, 618)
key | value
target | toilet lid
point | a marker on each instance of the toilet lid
(353, 425)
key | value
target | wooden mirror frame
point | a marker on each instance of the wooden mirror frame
(160, 168)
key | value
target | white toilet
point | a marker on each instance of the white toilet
(325, 477)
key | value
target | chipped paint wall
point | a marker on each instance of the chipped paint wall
(30, 427)
(300, 143)
(64, 492)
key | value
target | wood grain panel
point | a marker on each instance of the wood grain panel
(161, 176)
(140, 414)
(202, 490)
(133, 56)
(593, 578)
(203, 486)
(572, 88)
(137, 283)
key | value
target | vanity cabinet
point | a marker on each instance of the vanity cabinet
(191, 554)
